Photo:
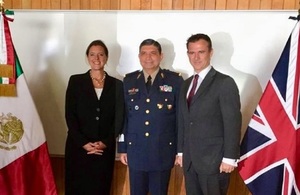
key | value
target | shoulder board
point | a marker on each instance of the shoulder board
(133, 73)
(167, 71)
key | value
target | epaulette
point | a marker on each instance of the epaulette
(132, 73)
(167, 71)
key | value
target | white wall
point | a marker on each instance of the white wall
(51, 46)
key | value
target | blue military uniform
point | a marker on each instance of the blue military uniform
(149, 135)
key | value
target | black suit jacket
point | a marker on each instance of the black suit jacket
(210, 129)
(90, 119)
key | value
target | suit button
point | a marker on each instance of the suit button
(131, 100)
(147, 111)
(129, 143)
(147, 100)
(97, 118)
(147, 134)
(147, 123)
(98, 109)
(170, 143)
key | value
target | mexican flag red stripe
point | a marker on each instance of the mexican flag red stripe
(25, 167)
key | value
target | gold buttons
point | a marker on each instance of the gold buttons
(147, 123)
(147, 111)
(147, 134)
(147, 100)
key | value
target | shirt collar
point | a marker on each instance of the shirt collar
(204, 72)
(153, 75)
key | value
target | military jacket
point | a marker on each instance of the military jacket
(150, 131)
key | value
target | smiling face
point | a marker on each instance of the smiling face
(150, 58)
(97, 57)
(199, 54)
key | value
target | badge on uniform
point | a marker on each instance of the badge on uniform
(165, 88)
(133, 91)
(169, 106)
(159, 106)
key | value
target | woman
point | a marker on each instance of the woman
(94, 115)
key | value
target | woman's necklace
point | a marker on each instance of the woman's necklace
(98, 81)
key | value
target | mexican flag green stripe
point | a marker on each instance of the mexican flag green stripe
(18, 67)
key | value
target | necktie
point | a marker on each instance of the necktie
(192, 92)
(148, 83)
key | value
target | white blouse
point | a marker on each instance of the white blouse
(98, 92)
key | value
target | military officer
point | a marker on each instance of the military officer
(148, 141)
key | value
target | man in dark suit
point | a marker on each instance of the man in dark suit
(209, 123)
(148, 142)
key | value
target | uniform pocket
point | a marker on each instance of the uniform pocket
(167, 145)
(131, 139)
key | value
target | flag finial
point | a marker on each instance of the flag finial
(291, 17)
(2, 5)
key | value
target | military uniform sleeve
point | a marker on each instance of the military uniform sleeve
(121, 140)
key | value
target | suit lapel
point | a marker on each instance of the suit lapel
(140, 83)
(186, 88)
(89, 87)
(107, 86)
(205, 83)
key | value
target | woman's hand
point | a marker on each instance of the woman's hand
(93, 148)
(100, 145)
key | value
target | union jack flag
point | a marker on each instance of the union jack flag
(270, 149)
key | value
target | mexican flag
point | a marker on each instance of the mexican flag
(25, 167)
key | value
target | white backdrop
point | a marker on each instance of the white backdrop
(51, 46)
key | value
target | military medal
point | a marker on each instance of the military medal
(166, 88)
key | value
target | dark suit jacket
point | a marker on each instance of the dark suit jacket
(90, 119)
(150, 126)
(210, 129)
